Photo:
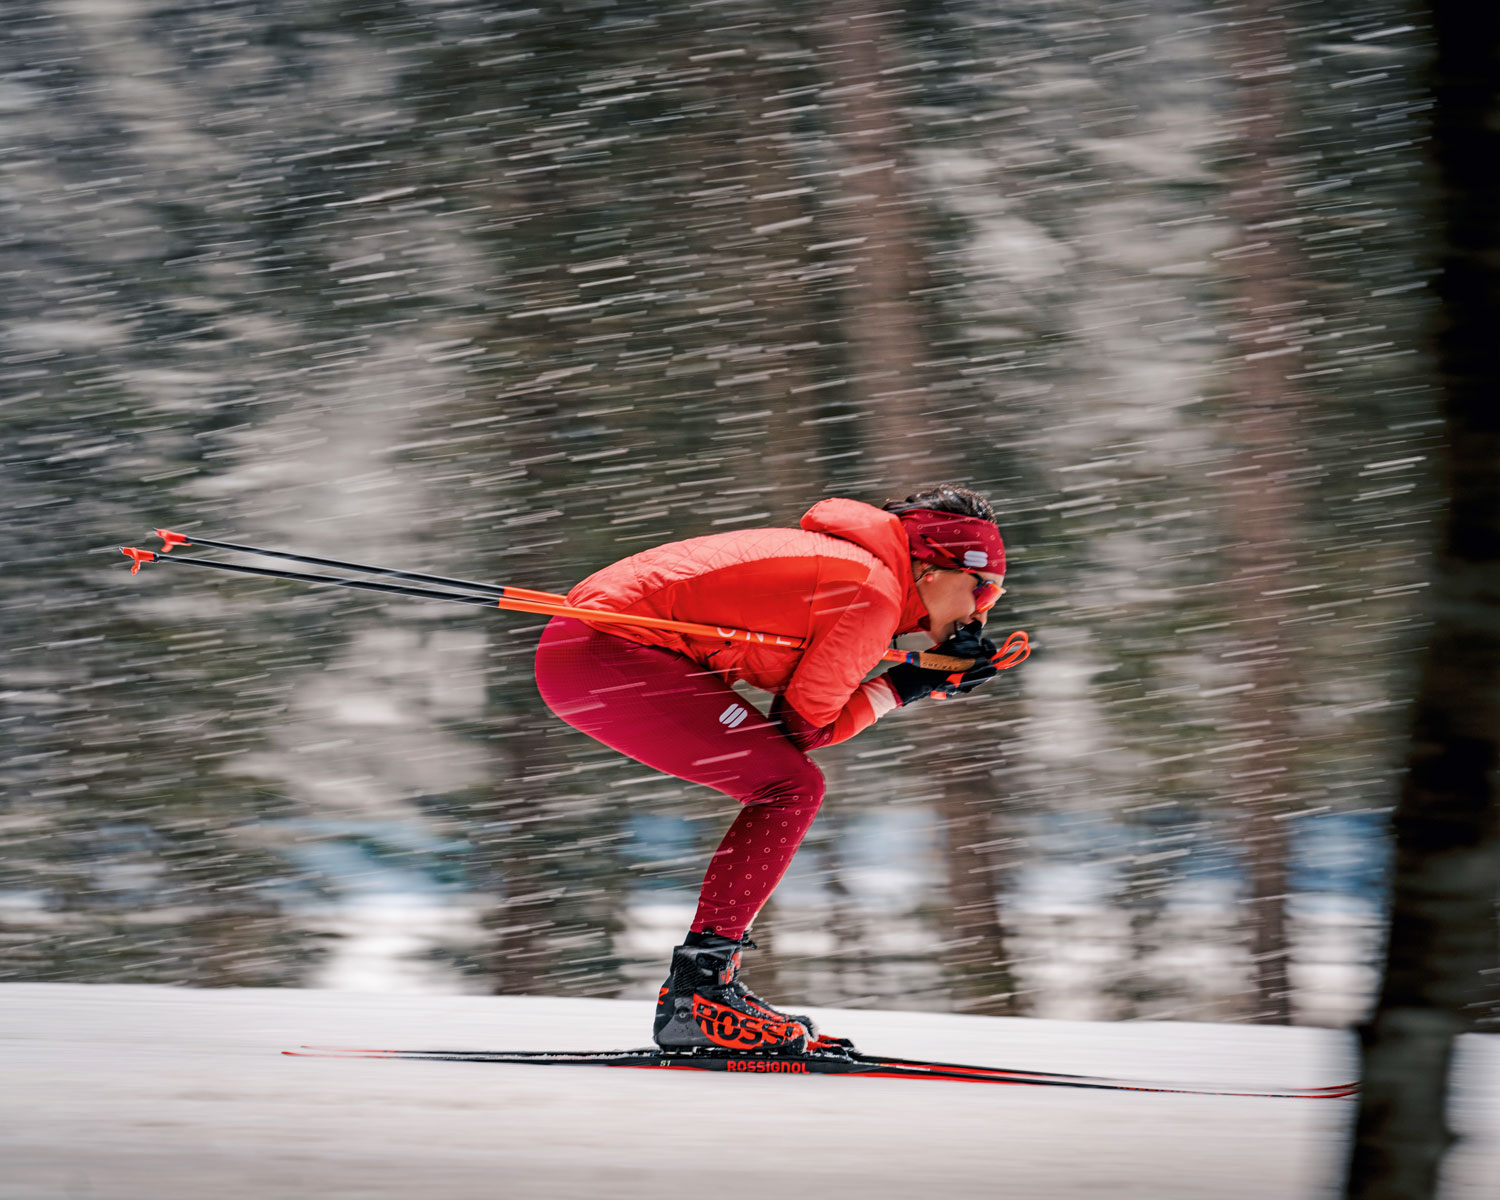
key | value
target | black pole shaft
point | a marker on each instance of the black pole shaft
(366, 585)
(493, 589)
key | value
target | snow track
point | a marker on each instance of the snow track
(158, 1093)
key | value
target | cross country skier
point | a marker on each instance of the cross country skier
(851, 579)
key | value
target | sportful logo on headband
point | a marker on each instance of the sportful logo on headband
(953, 540)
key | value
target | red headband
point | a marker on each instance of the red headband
(954, 541)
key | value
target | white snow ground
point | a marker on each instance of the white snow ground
(165, 1093)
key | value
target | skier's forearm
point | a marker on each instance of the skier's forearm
(870, 701)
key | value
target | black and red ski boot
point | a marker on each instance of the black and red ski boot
(816, 1041)
(702, 1005)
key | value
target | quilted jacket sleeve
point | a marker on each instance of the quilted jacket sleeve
(870, 701)
(848, 638)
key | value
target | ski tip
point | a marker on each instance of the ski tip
(325, 1052)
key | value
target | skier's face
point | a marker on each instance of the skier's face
(955, 598)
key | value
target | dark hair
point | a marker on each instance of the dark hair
(945, 497)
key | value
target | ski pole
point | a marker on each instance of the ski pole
(1014, 650)
(367, 585)
(170, 539)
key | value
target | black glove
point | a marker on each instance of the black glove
(912, 682)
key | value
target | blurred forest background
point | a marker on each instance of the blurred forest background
(510, 291)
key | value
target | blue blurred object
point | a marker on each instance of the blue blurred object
(372, 858)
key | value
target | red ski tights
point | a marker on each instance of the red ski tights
(671, 714)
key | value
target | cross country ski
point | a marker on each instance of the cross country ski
(834, 1062)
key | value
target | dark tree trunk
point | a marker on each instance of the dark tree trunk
(517, 959)
(1444, 944)
(976, 956)
(1263, 504)
(887, 346)
(882, 330)
(780, 218)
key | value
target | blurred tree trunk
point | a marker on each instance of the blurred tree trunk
(886, 346)
(882, 328)
(1138, 989)
(855, 976)
(1444, 944)
(977, 961)
(518, 957)
(781, 222)
(1263, 504)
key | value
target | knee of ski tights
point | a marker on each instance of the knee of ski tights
(803, 787)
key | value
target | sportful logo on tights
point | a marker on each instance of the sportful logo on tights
(733, 715)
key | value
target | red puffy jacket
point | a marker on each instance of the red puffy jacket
(843, 582)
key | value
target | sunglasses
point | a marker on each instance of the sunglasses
(986, 592)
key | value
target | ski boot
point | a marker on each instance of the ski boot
(816, 1042)
(703, 1004)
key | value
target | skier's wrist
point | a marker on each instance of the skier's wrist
(895, 691)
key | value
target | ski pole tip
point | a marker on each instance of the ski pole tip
(171, 539)
(137, 557)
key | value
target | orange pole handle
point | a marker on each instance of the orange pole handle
(690, 628)
(1015, 648)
